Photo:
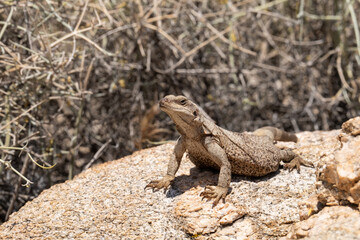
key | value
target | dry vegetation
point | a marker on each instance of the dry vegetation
(79, 80)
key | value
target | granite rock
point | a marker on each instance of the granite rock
(340, 222)
(108, 201)
(340, 174)
(352, 126)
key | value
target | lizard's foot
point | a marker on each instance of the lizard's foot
(216, 192)
(296, 162)
(162, 183)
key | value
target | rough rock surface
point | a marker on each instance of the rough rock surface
(108, 201)
(340, 173)
(338, 222)
(352, 126)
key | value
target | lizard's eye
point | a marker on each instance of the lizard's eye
(195, 113)
(182, 102)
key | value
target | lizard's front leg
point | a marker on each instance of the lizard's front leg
(218, 155)
(173, 167)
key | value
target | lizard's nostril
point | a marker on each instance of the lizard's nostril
(162, 102)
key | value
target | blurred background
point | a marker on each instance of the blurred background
(80, 80)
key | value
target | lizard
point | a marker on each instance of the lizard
(210, 146)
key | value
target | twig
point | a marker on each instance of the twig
(27, 25)
(74, 140)
(274, 15)
(28, 138)
(8, 165)
(17, 27)
(259, 8)
(322, 17)
(17, 187)
(231, 53)
(301, 17)
(141, 9)
(16, 66)
(297, 43)
(207, 71)
(82, 15)
(118, 29)
(76, 28)
(87, 76)
(356, 28)
(328, 54)
(25, 196)
(10, 53)
(28, 154)
(43, 167)
(22, 114)
(97, 154)
(8, 129)
(340, 71)
(221, 36)
(276, 69)
(33, 52)
(73, 33)
(58, 18)
(7, 22)
(192, 51)
(157, 18)
(111, 19)
(167, 36)
(148, 60)
(272, 43)
(96, 46)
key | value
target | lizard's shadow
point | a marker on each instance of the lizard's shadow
(204, 177)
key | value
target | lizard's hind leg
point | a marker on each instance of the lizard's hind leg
(293, 160)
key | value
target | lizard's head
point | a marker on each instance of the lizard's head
(179, 108)
(189, 118)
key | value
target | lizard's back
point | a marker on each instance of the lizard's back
(251, 155)
(248, 154)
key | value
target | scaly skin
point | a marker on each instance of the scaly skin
(210, 146)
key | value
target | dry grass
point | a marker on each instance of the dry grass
(79, 79)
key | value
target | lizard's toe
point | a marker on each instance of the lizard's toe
(305, 162)
(215, 192)
(159, 184)
(155, 185)
(296, 162)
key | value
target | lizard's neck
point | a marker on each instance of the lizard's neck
(191, 130)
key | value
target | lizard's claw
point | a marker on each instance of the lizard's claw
(296, 162)
(162, 183)
(216, 192)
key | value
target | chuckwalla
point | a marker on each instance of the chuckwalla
(210, 146)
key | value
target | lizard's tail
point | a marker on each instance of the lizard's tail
(276, 134)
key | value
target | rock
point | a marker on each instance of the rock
(202, 218)
(108, 201)
(330, 223)
(352, 126)
(309, 207)
(341, 173)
